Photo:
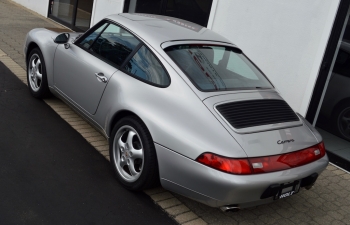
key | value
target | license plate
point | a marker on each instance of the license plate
(288, 189)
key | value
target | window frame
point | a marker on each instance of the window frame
(72, 23)
(128, 58)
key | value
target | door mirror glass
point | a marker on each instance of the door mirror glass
(62, 38)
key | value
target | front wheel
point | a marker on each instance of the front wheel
(132, 155)
(36, 75)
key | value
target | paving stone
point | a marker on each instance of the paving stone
(155, 191)
(103, 148)
(323, 220)
(81, 126)
(210, 218)
(346, 176)
(99, 143)
(161, 196)
(336, 215)
(198, 221)
(169, 203)
(185, 217)
(176, 210)
(337, 222)
(97, 138)
(91, 134)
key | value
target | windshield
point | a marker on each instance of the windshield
(217, 68)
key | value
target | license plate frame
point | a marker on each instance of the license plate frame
(287, 190)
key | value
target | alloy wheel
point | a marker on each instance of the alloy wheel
(128, 153)
(35, 72)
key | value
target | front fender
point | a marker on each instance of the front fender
(44, 39)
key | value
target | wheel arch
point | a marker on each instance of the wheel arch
(152, 177)
(31, 46)
(117, 117)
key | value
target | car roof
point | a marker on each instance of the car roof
(157, 29)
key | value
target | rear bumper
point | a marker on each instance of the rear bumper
(214, 188)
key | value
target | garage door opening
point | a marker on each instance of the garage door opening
(196, 11)
(332, 117)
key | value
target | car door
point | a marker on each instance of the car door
(82, 71)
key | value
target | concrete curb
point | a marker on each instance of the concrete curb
(173, 206)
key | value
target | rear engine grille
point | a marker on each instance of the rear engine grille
(257, 112)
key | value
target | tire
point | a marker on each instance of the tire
(132, 155)
(342, 121)
(36, 75)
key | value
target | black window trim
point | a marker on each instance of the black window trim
(88, 32)
(128, 58)
(132, 53)
(89, 49)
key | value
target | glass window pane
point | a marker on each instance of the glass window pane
(115, 44)
(146, 67)
(83, 16)
(239, 65)
(63, 9)
(87, 42)
(217, 68)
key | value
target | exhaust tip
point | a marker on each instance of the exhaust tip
(230, 208)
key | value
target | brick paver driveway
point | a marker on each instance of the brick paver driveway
(328, 202)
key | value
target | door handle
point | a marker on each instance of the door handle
(101, 77)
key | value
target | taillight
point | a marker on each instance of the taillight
(229, 165)
(263, 164)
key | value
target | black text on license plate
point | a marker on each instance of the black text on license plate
(288, 189)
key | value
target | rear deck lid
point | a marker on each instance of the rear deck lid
(261, 122)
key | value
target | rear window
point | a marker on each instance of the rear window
(217, 68)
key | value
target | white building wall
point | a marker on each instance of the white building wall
(39, 6)
(103, 8)
(285, 38)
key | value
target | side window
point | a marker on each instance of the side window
(87, 42)
(115, 44)
(146, 66)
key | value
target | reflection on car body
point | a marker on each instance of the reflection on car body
(182, 107)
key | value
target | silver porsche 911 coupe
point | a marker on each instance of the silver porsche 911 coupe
(180, 105)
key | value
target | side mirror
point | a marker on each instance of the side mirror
(62, 38)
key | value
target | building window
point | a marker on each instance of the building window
(196, 11)
(75, 14)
